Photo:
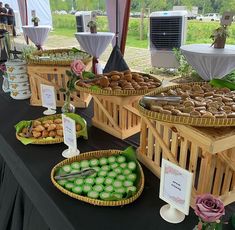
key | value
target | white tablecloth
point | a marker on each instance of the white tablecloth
(210, 62)
(94, 43)
(37, 34)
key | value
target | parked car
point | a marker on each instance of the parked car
(209, 17)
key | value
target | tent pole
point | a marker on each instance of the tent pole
(117, 23)
(125, 26)
(27, 22)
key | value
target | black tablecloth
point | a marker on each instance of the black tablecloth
(29, 201)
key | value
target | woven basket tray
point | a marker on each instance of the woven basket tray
(124, 93)
(45, 141)
(202, 122)
(36, 61)
(88, 156)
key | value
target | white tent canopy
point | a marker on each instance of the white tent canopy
(42, 8)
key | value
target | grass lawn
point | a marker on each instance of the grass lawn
(132, 41)
(64, 32)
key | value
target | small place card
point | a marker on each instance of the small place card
(48, 99)
(227, 19)
(70, 138)
(175, 189)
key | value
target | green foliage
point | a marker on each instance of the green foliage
(233, 220)
(231, 77)
(88, 75)
(185, 70)
(205, 6)
(64, 21)
(27, 50)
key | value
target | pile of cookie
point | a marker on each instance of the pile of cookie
(126, 80)
(45, 128)
(198, 101)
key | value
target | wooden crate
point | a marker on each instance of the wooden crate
(54, 76)
(209, 153)
(116, 115)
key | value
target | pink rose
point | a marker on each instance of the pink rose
(77, 67)
(209, 208)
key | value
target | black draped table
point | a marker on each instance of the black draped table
(29, 201)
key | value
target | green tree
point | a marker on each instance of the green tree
(227, 5)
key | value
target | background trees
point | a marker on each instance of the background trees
(205, 6)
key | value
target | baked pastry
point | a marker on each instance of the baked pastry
(197, 101)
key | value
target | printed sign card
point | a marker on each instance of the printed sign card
(48, 99)
(227, 19)
(175, 187)
(70, 138)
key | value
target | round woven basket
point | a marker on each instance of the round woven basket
(123, 93)
(88, 156)
(45, 141)
(36, 61)
(193, 121)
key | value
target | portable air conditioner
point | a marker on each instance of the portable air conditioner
(82, 19)
(167, 31)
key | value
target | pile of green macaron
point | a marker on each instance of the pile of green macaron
(115, 178)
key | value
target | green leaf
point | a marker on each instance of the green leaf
(68, 73)
(130, 154)
(218, 226)
(22, 124)
(233, 220)
(129, 194)
(88, 75)
(62, 90)
(75, 50)
(95, 87)
(220, 83)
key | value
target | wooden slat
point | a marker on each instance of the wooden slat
(158, 149)
(194, 152)
(164, 146)
(105, 120)
(204, 171)
(183, 153)
(233, 182)
(123, 118)
(143, 138)
(115, 114)
(218, 178)
(150, 144)
(166, 138)
(102, 109)
(129, 119)
(56, 77)
(174, 144)
(227, 180)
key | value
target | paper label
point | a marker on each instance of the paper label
(69, 128)
(48, 96)
(176, 186)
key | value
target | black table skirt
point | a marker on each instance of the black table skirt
(17, 211)
(29, 201)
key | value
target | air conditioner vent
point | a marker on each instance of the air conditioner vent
(167, 31)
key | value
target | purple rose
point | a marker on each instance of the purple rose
(209, 208)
